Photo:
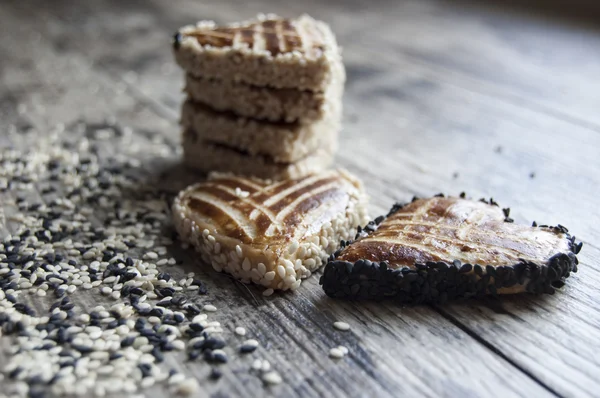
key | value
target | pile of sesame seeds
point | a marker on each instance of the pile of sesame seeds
(82, 283)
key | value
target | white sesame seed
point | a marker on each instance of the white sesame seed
(281, 271)
(269, 276)
(187, 387)
(272, 378)
(176, 378)
(341, 326)
(147, 382)
(251, 342)
(240, 331)
(150, 256)
(41, 293)
(246, 264)
(85, 318)
(343, 349)
(257, 364)
(336, 353)
(266, 366)
(178, 345)
(146, 348)
(209, 308)
(267, 292)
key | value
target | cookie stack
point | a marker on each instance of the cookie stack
(263, 96)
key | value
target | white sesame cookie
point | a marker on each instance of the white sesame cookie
(287, 105)
(282, 142)
(205, 156)
(276, 235)
(269, 51)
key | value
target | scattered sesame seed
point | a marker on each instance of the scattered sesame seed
(341, 326)
(266, 366)
(257, 364)
(176, 378)
(268, 292)
(187, 387)
(336, 353)
(150, 256)
(62, 247)
(240, 331)
(251, 342)
(178, 345)
(272, 378)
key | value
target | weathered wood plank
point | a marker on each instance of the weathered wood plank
(460, 123)
(525, 59)
(434, 358)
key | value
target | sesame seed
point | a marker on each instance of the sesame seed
(266, 366)
(267, 292)
(209, 308)
(187, 387)
(336, 353)
(251, 342)
(341, 326)
(281, 271)
(240, 331)
(150, 256)
(257, 364)
(178, 345)
(343, 349)
(272, 378)
(176, 378)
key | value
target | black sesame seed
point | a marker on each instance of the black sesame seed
(158, 355)
(219, 357)
(214, 343)
(127, 341)
(247, 348)
(146, 370)
(215, 374)
(115, 355)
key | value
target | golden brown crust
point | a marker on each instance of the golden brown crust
(274, 234)
(442, 229)
(438, 249)
(301, 53)
(274, 34)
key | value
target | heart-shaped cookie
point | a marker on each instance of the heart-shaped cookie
(436, 249)
(273, 234)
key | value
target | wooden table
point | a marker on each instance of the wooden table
(441, 97)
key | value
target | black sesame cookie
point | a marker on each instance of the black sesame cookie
(442, 248)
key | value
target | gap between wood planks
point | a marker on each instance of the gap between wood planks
(169, 114)
(492, 348)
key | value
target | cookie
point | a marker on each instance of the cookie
(272, 234)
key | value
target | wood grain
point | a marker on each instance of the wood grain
(435, 120)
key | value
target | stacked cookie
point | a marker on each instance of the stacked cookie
(263, 96)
